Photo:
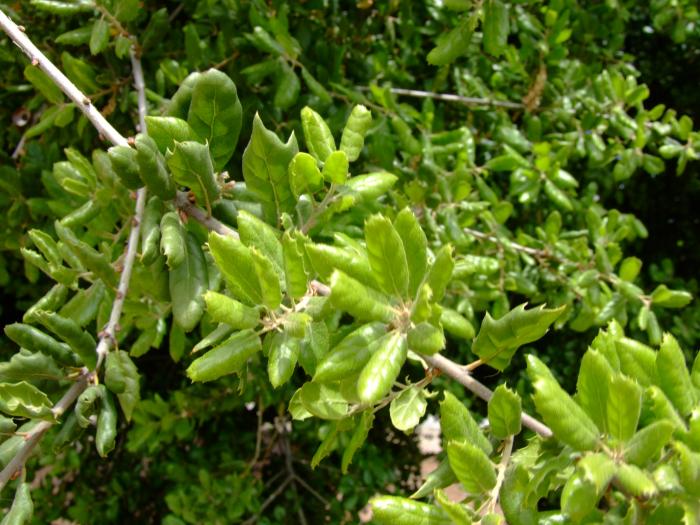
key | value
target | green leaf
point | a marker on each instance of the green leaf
(22, 507)
(673, 375)
(99, 37)
(383, 367)
(392, 510)
(323, 401)
(124, 164)
(325, 259)
(165, 131)
(288, 87)
(504, 412)
(499, 339)
(152, 168)
(635, 481)
(440, 272)
(623, 407)
(304, 175)
(32, 367)
(407, 409)
(122, 378)
(294, 270)
(188, 281)
(356, 127)
(472, 466)
(43, 84)
(24, 400)
(637, 360)
(335, 167)
(35, 340)
(570, 424)
(495, 27)
(353, 297)
(629, 268)
(215, 115)
(646, 444)
(359, 435)
(387, 256)
(350, 355)
(268, 278)
(173, 241)
(425, 338)
(236, 264)
(594, 379)
(191, 166)
(265, 163)
(457, 512)
(227, 358)
(150, 231)
(80, 341)
(578, 498)
(371, 186)
(223, 309)
(284, 353)
(439, 478)
(80, 72)
(453, 44)
(106, 431)
(665, 298)
(257, 234)
(456, 325)
(457, 424)
(319, 140)
(416, 247)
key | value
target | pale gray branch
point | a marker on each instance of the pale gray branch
(449, 97)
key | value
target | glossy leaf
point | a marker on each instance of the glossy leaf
(440, 272)
(80, 341)
(317, 134)
(335, 167)
(495, 27)
(227, 358)
(504, 412)
(673, 375)
(152, 168)
(498, 339)
(223, 309)
(353, 297)
(356, 127)
(323, 401)
(257, 234)
(215, 114)
(191, 166)
(188, 282)
(165, 131)
(407, 409)
(623, 407)
(392, 510)
(646, 444)
(415, 245)
(439, 478)
(351, 354)
(594, 378)
(458, 424)
(106, 431)
(304, 175)
(173, 241)
(240, 277)
(358, 437)
(22, 507)
(284, 353)
(472, 466)
(23, 399)
(387, 256)
(383, 367)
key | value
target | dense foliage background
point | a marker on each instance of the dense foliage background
(568, 178)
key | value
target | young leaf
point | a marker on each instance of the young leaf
(22, 507)
(673, 375)
(453, 44)
(387, 256)
(215, 114)
(358, 437)
(122, 378)
(191, 166)
(188, 281)
(124, 164)
(666, 298)
(294, 270)
(458, 424)
(623, 407)
(352, 140)
(284, 353)
(416, 247)
(383, 367)
(150, 231)
(578, 498)
(499, 339)
(80, 341)
(646, 444)
(570, 424)
(268, 278)
(323, 401)
(425, 338)
(504, 412)
(317, 134)
(257, 234)
(240, 276)
(325, 259)
(407, 409)
(304, 175)
(440, 272)
(635, 481)
(439, 478)
(223, 309)
(335, 168)
(152, 168)
(227, 358)
(363, 303)
(456, 325)
(265, 163)
(637, 360)
(472, 466)
(456, 511)
(392, 510)
(350, 355)
(99, 37)
(173, 241)
(165, 131)
(106, 431)
(288, 87)
(43, 84)
(594, 377)
(495, 27)
(35, 340)
(24, 400)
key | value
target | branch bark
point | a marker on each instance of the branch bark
(449, 97)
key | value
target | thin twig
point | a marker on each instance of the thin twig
(268, 501)
(449, 97)
(459, 374)
(183, 203)
(72, 92)
(509, 244)
(502, 467)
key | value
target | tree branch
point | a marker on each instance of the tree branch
(448, 97)
(463, 377)
(108, 335)
(38, 58)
